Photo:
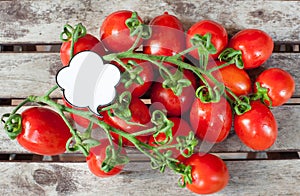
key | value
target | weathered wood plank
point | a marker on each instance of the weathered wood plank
(288, 136)
(31, 21)
(280, 177)
(23, 74)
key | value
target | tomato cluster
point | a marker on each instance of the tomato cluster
(198, 79)
(210, 121)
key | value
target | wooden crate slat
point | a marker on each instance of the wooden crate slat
(23, 74)
(278, 177)
(42, 21)
(288, 135)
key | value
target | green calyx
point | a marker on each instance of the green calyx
(84, 145)
(204, 42)
(186, 172)
(136, 27)
(73, 34)
(232, 56)
(121, 106)
(187, 144)
(242, 105)
(208, 95)
(12, 124)
(131, 75)
(163, 125)
(176, 82)
(113, 158)
(262, 95)
(82, 142)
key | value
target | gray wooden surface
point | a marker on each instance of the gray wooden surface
(41, 21)
(25, 73)
(273, 177)
(35, 73)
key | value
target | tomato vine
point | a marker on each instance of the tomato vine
(211, 90)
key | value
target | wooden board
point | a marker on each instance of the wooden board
(31, 24)
(24, 74)
(288, 135)
(278, 177)
(35, 73)
(31, 21)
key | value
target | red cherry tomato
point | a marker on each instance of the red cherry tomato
(256, 128)
(167, 37)
(81, 121)
(147, 75)
(235, 79)
(256, 46)
(209, 173)
(167, 100)
(43, 132)
(139, 114)
(96, 157)
(280, 85)
(211, 121)
(180, 128)
(114, 33)
(219, 36)
(88, 42)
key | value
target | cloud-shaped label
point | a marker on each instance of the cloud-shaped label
(88, 82)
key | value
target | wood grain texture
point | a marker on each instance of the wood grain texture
(23, 74)
(288, 135)
(32, 21)
(253, 178)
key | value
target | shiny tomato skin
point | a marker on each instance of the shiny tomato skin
(211, 121)
(280, 85)
(88, 42)
(218, 32)
(167, 20)
(209, 173)
(43, 132)
(140, 114)
(235, 79)
(165, 99)
(256, 128)
(81, 121)
(96, 157)
(167, 37)
(147, 75)
(256, 46)
(114, 33)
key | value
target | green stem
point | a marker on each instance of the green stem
(219, 67)
(27, 100)
(138, 38)
(186, 51)
(138, 144)
(162, 147)
(233, 95)
(51, 90)
(87, 115)
(143, 132)
(122, 64)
